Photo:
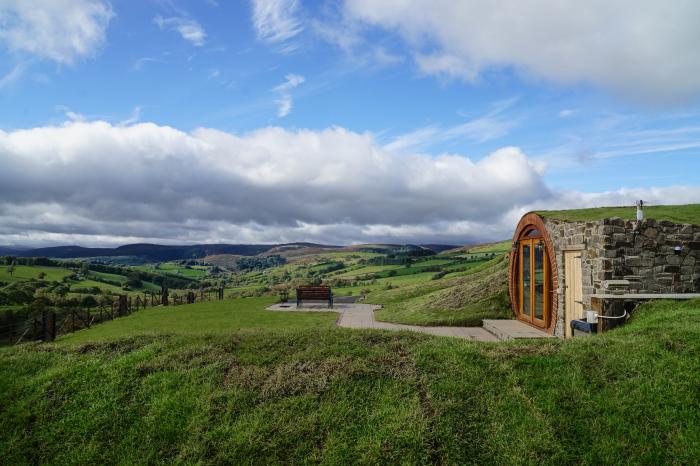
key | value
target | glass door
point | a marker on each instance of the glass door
(525, 280)
(534, 281)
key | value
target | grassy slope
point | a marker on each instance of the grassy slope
(182, 271)
(499, 247)
(481, 293)
(340, 396)
(399, 280)
(90, 283)
(25, 272)
(205, 317)
(689, 213)
(107, 276)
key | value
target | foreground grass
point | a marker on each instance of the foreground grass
(340, 396)
(208, 317)
(689, 213)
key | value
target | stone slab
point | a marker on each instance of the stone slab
(513, 329)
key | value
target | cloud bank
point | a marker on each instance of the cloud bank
(93, 182)
(643, 48)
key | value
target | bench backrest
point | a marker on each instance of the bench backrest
(313, 292)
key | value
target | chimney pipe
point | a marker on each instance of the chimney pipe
(640, 210)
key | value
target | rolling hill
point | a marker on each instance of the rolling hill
(160, 252)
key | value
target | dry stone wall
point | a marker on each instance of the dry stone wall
(644, 253)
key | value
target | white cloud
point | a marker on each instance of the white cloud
(12, 76)
(481, 129)
(284, 106)
(58, 30)
(268, 185)
(133, 118)
(285, 102)
(567, 112)
(276, 21)
(141, 62)
(642, 48)
(160, 184)
(350, 37)
(189, 29)
(292, 81)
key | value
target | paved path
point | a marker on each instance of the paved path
(362, 316)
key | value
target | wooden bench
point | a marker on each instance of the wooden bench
(314, 293)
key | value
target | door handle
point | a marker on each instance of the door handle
(578, 302)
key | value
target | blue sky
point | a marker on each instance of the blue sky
(596, 104)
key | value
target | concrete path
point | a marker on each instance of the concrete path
(362, 316)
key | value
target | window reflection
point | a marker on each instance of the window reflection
(526, 279)
(539, 277)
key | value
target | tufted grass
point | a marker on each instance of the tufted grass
(284, 395)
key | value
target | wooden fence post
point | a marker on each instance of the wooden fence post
(50, 326)
(123, 309)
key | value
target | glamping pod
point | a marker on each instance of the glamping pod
(593, 269)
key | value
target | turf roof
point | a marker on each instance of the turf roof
(689, 213)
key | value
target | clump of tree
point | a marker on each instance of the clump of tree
(245, 264)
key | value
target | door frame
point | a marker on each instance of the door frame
(573, 282)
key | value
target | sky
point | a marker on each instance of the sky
(340, 121)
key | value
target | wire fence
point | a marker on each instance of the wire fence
(47, 323)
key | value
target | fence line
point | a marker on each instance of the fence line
(43, 325)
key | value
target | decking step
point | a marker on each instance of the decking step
(510, 329)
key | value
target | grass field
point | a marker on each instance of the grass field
(176, 269)
(107, 276)
(366, 270)
(91, 283)
(337, 396)
(208, 317)
(25, 272)
(380, 283)
(689, 213)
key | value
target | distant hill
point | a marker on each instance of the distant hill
(11, 250)
(438, 248)
(162, 253)
(152, 252)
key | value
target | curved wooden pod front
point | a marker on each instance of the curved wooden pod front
(532, 224)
